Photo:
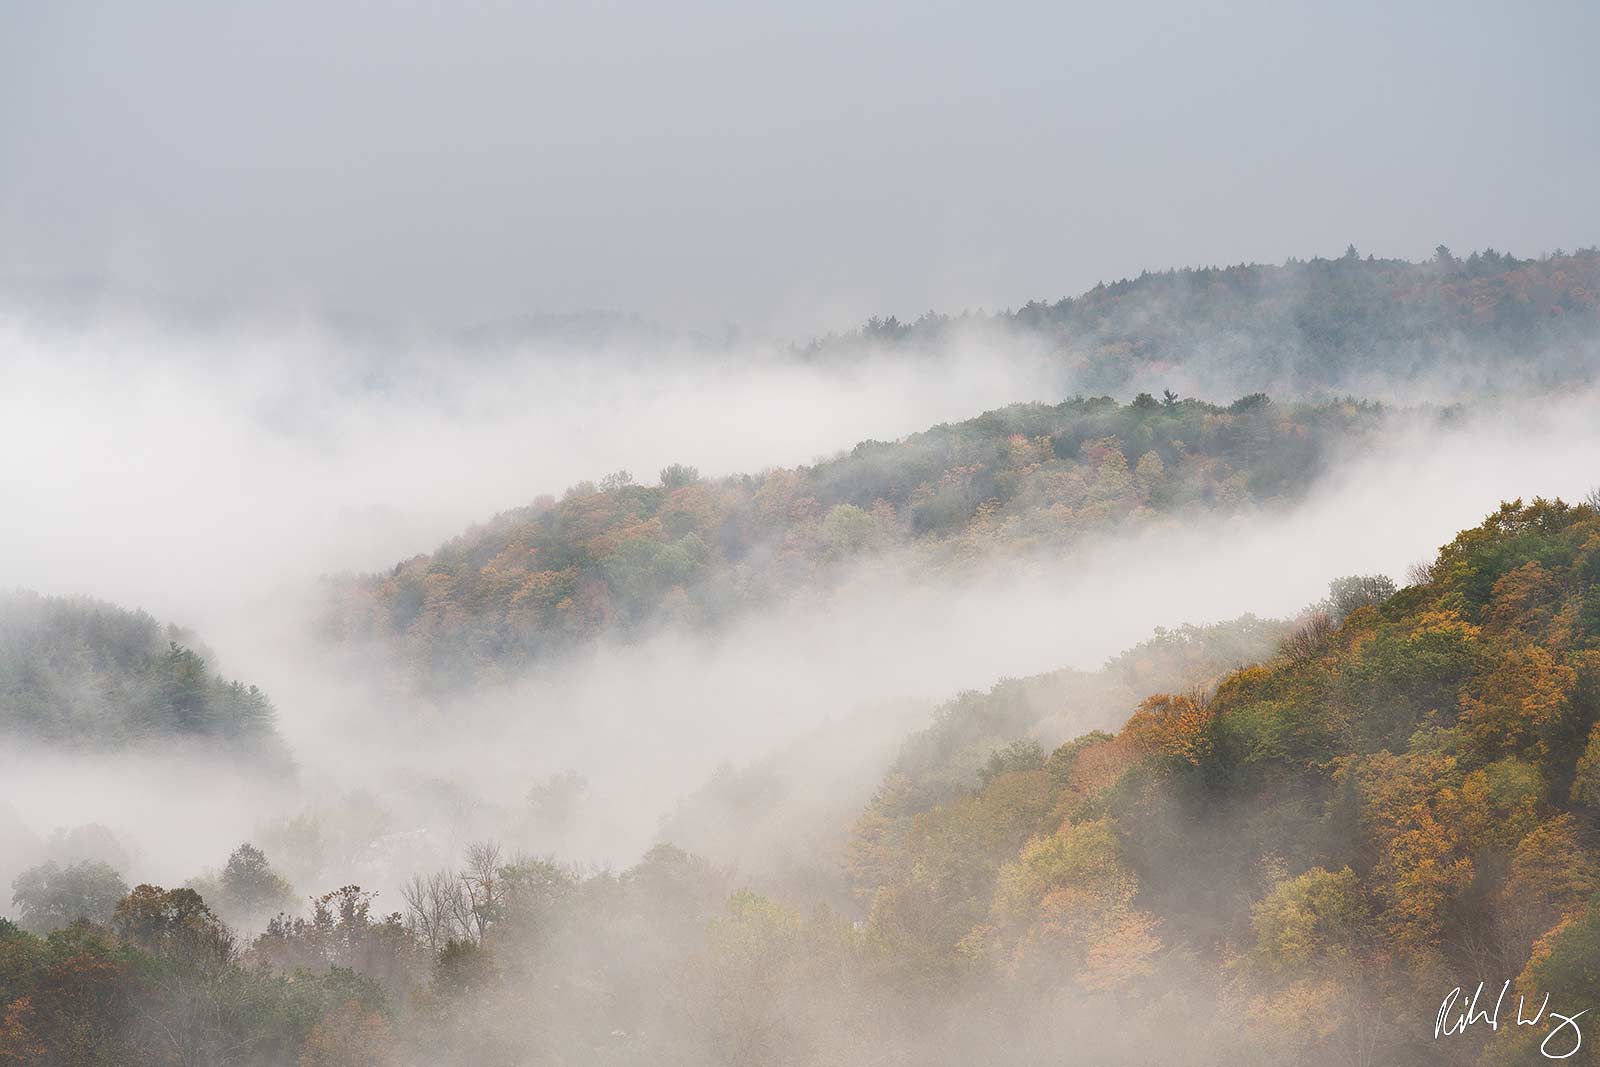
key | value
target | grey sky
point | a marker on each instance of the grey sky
(788, 169)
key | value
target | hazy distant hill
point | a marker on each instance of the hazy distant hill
(79, 672)
(1484, 322)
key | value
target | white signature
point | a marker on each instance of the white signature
(1457, 1013)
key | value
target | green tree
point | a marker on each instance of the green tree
(678, 475)
(250, 886)
(848, 530)
(50, 896)
(1347, 594)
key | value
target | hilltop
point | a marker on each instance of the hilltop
(77, 672)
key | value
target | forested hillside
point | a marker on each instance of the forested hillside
(689, 550)
(1483, 322)
(1295, 864)
(77, 672)
(1386, 808)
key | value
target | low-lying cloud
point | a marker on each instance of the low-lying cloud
(210, 480)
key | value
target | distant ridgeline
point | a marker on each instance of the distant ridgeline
(1022, 478)
(1341, 324)
(78, 672)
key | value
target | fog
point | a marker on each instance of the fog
(228, 472)
(257, 461)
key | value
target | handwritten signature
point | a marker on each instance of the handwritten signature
(1456, 1013)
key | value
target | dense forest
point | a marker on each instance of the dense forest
(1403, 794)
(1027, 478)
(77, 672)
(1475, 323)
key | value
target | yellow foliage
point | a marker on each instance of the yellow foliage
(1308, 919)
(1424, 874)
(1445, 622)
(1523, 599)
(1171, 726)
(1067, 904)
(1525, 692)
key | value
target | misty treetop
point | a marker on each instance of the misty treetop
(1030, 477)
(51, 896)
(79, 672)
(1488, 319)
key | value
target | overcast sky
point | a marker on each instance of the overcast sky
(788, 169)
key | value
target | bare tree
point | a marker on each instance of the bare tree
(1309, 639)
(484, 886)
(1593, 498)
(438, 910)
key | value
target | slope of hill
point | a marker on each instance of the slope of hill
(785, 821)
(1337, 837)
(79, 672)
(1027, 477)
